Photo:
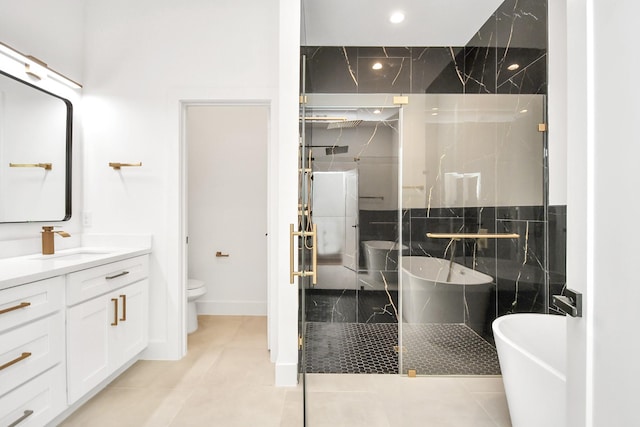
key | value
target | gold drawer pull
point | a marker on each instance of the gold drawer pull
(16, 307)
(14, 361)
(21, 419)
(124, 273)
(221, 255)
(115, 312)
(124, 307)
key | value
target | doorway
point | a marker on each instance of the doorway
(226, 205)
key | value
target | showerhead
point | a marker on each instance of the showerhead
(344, 124)
(336, 149)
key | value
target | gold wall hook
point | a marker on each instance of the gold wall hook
(45, 166)
(118, 165)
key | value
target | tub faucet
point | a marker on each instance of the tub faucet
(48, 247)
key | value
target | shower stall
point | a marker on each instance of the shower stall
(430, 218)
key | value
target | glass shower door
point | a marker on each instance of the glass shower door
(474, 165)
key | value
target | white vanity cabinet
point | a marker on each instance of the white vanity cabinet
(32, 352)
(107, 321)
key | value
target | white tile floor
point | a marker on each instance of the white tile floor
(227, 380)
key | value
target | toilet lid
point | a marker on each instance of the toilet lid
(194, 284)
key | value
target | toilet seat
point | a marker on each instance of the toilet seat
(195, 289)
(193, 284)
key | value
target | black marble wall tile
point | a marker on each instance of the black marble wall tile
(393, 77)
(522, 213)
(331, 69)
(435, 63)
(515, 33)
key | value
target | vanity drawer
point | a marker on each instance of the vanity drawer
(24, 303)
(31, 349)
(86, 284)
(36, 402)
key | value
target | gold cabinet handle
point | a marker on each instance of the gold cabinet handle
(16, 360)
(115, 312)
(15, 307)
(221, 255)
(124, 307)
(22, 418)
(115, 276)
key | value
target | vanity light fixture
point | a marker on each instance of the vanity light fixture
(513, 67)
(36, 68)
(118, 165)
(377, 66)
(396, 17)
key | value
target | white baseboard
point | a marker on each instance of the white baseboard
(286, 374)
(232, 308)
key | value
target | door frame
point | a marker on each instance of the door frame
(183, 202)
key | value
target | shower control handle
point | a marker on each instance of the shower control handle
(570, 303)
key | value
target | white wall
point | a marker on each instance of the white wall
(52, 32)
(143, 58)
(603, 153)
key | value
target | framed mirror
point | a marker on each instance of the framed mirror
(35, 153)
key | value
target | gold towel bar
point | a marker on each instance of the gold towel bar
(117, 166)
(45, 166)
(458, 236)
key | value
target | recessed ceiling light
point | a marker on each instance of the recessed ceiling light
(523, 111)
(377, 111)
(513, 67)
(377, 66)
(396, 17)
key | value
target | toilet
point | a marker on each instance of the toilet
(195, 289)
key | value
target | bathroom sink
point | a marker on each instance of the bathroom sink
(79, 255)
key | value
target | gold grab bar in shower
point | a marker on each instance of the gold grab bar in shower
(458, 236)
(45, 166)
(117, 165)
(314, 254)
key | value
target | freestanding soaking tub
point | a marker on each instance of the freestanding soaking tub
(532, 352)
(431, 295)
(381, 255)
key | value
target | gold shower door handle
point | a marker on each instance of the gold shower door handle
(314, 254)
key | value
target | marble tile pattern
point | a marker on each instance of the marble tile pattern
(515, 33)
(226, 379)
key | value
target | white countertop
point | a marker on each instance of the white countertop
(30, 268)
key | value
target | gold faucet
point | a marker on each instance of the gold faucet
(47, 239)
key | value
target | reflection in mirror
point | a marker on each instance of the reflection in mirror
(35, 153)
